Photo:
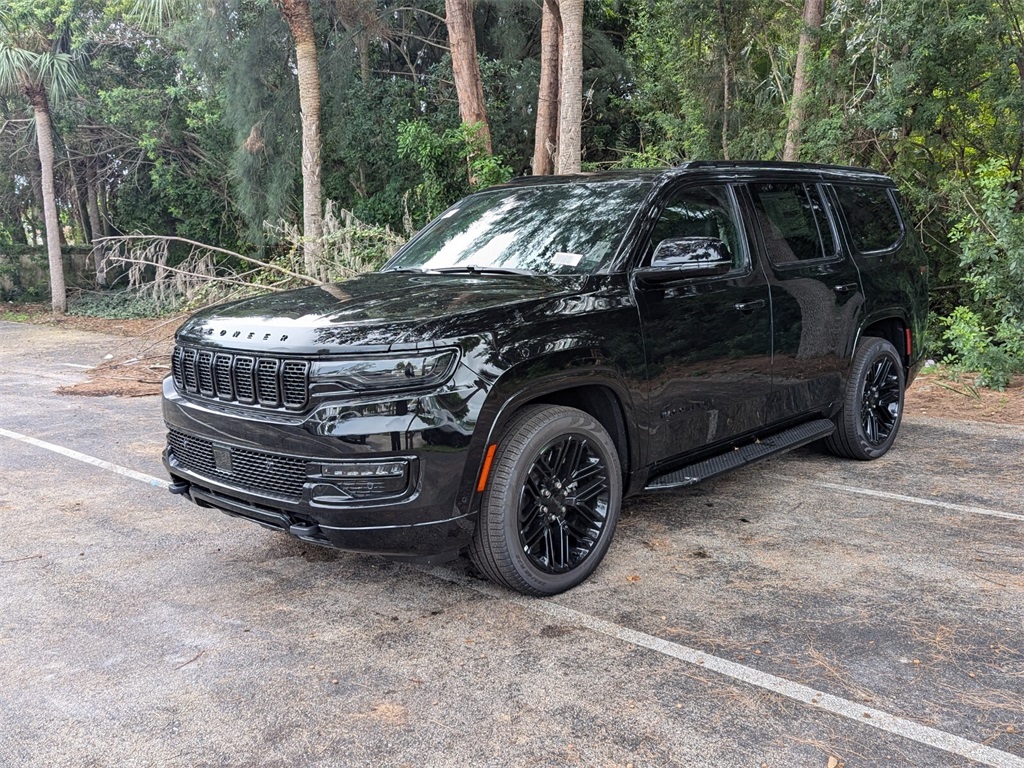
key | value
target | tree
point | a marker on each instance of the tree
(545, 144)
(814, 14)
(36, 63)
(570, 92)
(299, 16)
(466, 68)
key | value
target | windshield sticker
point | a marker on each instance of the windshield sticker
(568, 259)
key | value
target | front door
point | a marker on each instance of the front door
(707, 339)
(816, 297)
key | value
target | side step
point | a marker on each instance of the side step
(780, 442)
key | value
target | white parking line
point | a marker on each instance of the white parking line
(899, 497)
(836, 705)
(148, 479)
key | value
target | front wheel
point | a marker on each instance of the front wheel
(551, 504)
(872, 408)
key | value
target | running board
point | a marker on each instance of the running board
(772, 445)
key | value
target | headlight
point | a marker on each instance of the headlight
(410, 371)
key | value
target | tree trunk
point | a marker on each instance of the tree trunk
(44, 135)
(570, 101)
(363, 41)
(469, 86)
(101, 201)
(16, 225)
(299, 16)
(92, 208)
(814, 15)
(723, 23)
(545, 139)
(725, 106)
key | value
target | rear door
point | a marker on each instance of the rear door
(816, 296)
(707, 339)
(890, 261)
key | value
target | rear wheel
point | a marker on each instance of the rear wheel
(551, 504)
(872, 409)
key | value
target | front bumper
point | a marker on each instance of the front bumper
(275, 469)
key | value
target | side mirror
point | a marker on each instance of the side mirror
(679, 258)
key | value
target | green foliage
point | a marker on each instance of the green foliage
(991, 240)
(994, 354)
(988, 337)
(439, 156)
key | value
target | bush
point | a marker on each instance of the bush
(988, 337)
(119, 305)
(994, 354)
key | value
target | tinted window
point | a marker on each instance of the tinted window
(871, 217)
(557, 228)
(699, 212)
(792, 221)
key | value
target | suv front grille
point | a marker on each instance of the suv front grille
(265, 381)
(267, 473)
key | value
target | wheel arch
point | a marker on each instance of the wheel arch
(601, 393)
(893, 328)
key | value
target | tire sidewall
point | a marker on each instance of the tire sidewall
(503, 498)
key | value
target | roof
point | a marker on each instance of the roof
(730, 169)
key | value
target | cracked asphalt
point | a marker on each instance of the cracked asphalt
(139, 630)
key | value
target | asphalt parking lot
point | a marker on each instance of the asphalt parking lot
(804, 612)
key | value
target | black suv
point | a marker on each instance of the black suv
(548, 346)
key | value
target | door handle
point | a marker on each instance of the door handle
(846, 287)
(749, 306)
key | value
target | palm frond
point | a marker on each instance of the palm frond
(153, 14)
(17, 67)
(58, 72)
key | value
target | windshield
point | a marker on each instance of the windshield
(550, 229)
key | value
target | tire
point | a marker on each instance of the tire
(872, 407)
(552, 502)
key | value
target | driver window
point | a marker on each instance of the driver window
(699, 212)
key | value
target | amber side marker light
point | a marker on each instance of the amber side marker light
(486, 469)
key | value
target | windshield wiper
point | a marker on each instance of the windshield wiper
(405, 270)
(473, 269)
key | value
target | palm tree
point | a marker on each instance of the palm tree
(34, 65)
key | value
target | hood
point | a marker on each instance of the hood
(372, 312)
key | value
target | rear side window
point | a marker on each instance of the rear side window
(871, 216)
(792, 221)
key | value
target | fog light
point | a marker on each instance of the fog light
(362, 480)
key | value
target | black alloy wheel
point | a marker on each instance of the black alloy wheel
(564, 504)
(552, 502)
(882, 400)
(872, 407)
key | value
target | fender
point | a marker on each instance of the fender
(534, 379)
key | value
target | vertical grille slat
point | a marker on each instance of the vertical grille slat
(222, 377)
(294, 378)
(243, 380)
(188, 365)
(267, 388)
(204, 372)
(176, 370)
(269, 382)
